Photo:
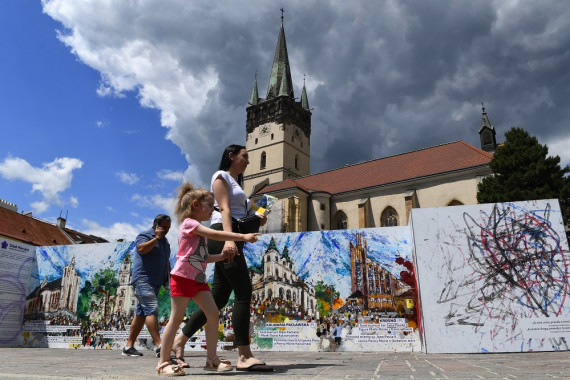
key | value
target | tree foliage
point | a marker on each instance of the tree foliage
(524, 171)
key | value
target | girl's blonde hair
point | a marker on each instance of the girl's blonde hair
(183, 202)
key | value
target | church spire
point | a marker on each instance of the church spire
(280, 72)
(254, 99)
(485, 123)
(487, 133)
(304, 98)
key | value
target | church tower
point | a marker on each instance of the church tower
(278, 128)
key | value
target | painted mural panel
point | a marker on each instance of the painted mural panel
(305, 284)
(493, 277)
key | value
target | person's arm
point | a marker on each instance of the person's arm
(225, 235)
(222, 194)
(147, 246)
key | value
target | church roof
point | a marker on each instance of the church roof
(440, 159)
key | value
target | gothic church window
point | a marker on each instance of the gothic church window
(297, 162)
(263, 160)
(389, 217)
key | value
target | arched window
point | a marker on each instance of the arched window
(455, 203)
(296, 161)
(263, 160)
(340, 221)
(389, 217)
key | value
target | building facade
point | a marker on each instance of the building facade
(377, 193)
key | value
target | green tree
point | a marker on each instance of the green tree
(524, 172)
(83, 302)
(105, 283)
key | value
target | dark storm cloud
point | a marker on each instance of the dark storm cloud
(384, 77)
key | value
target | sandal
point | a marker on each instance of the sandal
(218, 364)
(179, 361)
(176, 370)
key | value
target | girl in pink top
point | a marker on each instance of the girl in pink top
(188, 278)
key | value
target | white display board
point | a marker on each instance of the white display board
(16, 261)
(493, 277)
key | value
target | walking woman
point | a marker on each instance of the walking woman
(232, 274)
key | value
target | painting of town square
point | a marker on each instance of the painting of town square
(320, 291)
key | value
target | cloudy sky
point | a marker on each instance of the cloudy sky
(105, 106)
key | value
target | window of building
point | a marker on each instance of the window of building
(323, 208)
(272, 136)
(455, 203)
(256, 141)
(340, 221)
(389, 217)
(263, 160)
(297, 162)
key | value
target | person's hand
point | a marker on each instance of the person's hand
(159, 232)
(230, 250)
(251, 238)
(263, 219)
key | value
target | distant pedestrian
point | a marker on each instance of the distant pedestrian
(151, 268)
(337, 334)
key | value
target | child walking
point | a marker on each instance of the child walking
(188, 278)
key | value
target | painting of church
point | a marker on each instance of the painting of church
(56, 297)
(372, 286)
(277, 288)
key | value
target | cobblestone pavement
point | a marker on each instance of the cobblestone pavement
(44, 363)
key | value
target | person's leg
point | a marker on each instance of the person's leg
(136, 327)
(147, 308)
(240, 282)
(151, 322)
(178, 306)
(221, 290)
(205, 301)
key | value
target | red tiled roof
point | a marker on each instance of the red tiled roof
(30, 230)
(439, 159)
(81, 238)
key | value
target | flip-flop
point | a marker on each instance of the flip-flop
(176, 370)
(261, 367)
(180, 362)
(222, 366)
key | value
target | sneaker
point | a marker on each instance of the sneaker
(157, 350)
(131, 352)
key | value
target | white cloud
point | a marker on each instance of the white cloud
(50, 180)
(559, 147)
(128, 178)
(154, 201)
(39, 207)
(127, 231)
(116, 231)
(74, 201)
(170, 175)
